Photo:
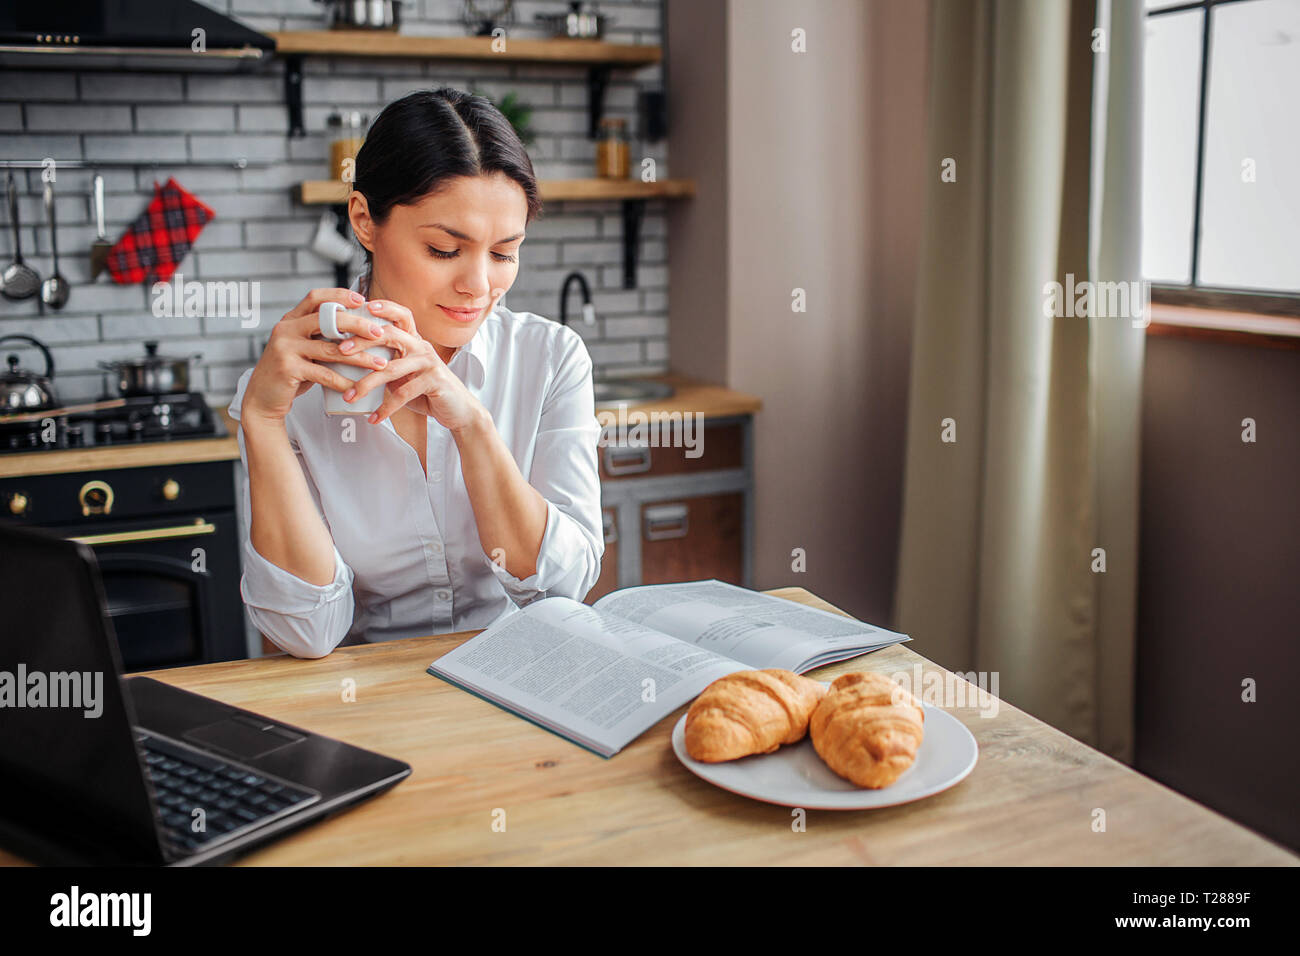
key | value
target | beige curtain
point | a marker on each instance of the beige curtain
(996, 566)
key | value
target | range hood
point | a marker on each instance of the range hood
(149, 34)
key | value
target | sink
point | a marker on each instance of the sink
(630, 390)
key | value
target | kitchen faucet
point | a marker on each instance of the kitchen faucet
(588, 310)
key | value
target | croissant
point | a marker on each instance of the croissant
(867, 728)
(750, 712)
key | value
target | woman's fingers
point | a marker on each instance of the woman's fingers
(311, 372)
(395, 369)
(358, 325)
(399, 395)
(325, 350)
(398, 314)
(402, 342)
(312, 301)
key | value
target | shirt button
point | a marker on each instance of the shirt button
(444, 595)
(436, 476)
(437, 547)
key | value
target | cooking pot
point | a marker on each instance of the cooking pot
(152, 374)
(577, 23)
(363, 14)
(24, 391)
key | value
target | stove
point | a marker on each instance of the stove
(164, 533)
(134, 420)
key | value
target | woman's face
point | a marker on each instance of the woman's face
(457, 249)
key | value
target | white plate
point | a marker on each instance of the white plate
(795, 776)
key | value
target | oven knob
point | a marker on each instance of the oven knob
(96, 497)
(171, 489)
(18, 503)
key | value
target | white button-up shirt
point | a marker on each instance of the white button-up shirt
(407, 555)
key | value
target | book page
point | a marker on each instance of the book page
(754, 628)
(603, 679)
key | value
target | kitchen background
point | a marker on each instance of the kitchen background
(262, 232)
(820, 468)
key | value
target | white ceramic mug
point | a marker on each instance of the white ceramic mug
(327, 242)
(329, 327)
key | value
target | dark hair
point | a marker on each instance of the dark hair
(426, 138)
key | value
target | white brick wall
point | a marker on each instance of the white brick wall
(260, 233)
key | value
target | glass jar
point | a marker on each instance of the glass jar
(348, 133)
(612, 149)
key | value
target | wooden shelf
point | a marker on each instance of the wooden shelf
(566, 189)
(600, 58)
(330, 191)
(381, 43)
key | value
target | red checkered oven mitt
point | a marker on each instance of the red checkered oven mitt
(154, 245)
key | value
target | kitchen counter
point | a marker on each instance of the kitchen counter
(692, 396)
(110, 457)
(1031, 798)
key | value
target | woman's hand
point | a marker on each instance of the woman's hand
(291, 361)
(417, 378)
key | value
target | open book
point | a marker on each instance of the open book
(603, 674)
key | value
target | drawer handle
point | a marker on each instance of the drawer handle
(149, 534)
(666, 521)
(634, 460)
(611, 528)
(96, 498)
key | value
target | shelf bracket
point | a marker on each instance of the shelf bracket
(343, 226)
(633, 213)
(597, 80)
(293, 95)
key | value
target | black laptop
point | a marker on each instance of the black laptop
(99, 769)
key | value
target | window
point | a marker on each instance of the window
(1221, 163)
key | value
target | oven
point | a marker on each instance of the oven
(167, 544)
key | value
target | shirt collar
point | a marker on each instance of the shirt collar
(475, 349)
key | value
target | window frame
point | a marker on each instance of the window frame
(1214, 298)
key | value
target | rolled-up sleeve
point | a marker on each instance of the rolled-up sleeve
(301, 618)
(565, 471)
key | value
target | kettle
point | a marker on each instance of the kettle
(24, 391)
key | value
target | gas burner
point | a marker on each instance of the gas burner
(137, 419)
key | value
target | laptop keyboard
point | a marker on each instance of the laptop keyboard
(232, 797)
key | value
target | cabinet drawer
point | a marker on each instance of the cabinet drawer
(111, 493)
(717, 447)
(688, 539)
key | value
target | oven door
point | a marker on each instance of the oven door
(167, 581)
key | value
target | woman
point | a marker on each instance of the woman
(474, 488)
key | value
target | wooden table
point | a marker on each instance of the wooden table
(1029, 800)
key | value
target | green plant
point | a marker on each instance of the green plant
(516, 112)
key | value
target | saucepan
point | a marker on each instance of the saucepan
(152, 374)
(363, 14)
(578, 23)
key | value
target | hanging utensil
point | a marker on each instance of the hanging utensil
(20, 281)
(54, 290)
(101, 247)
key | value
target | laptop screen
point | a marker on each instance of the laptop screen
(70, 775)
